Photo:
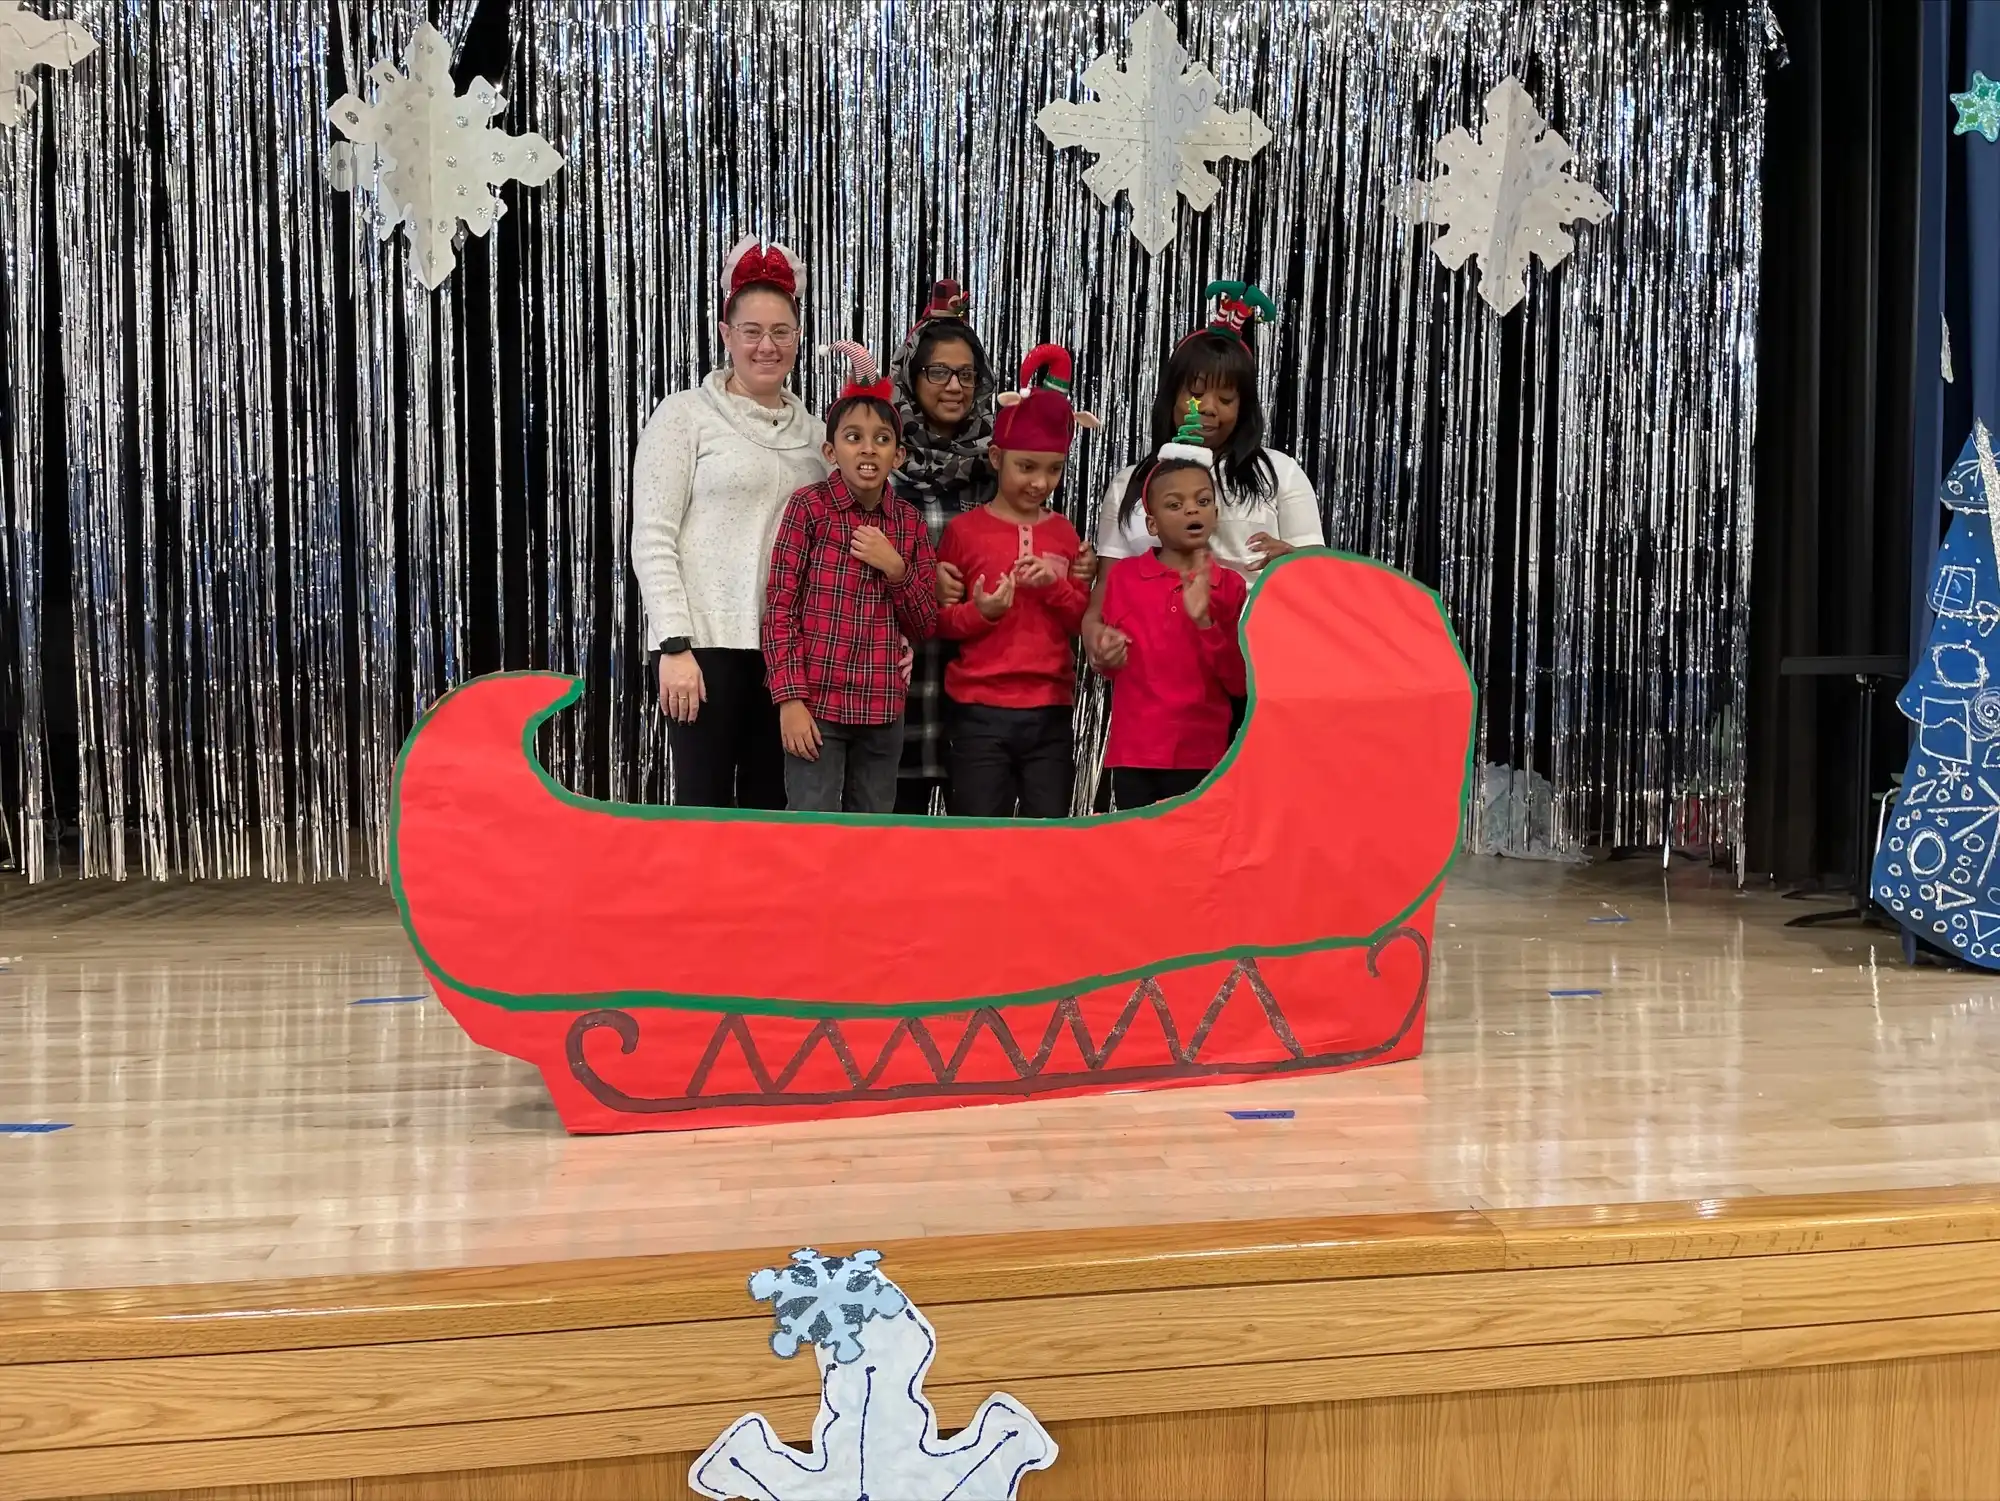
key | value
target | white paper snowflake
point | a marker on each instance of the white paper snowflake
(1504, 195)
(26, 40)
(876, 1433)
(1156, 127)
(428, 155)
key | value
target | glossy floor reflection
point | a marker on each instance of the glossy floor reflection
(232, 1113)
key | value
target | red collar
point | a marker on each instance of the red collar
(843, 498)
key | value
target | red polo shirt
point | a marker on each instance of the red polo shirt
(1170, 705)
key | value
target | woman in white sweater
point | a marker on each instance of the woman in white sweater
(714, 470)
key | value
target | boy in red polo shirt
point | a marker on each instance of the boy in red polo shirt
(1010, 688)
(852, 576)
(1170, 642)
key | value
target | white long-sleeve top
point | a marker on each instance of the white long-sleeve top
(1290, 513)
(709, 483)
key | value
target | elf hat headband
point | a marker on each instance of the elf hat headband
(1239, 308)
(864, 377)
(1187, 447)
(751, 262)
(1038, 418)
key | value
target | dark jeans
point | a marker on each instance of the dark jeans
(855, 772)
(1142, 786)
(731, 756)
(1003, 756)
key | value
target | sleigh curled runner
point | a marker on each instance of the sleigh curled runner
(673, 968)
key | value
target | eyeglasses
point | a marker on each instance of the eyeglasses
(944, 375)
(784, 336)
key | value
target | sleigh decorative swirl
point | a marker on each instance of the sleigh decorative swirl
(672, 968)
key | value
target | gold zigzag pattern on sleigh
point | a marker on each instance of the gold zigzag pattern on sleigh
(914, 1036)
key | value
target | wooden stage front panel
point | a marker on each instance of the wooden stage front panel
(1830, 1346)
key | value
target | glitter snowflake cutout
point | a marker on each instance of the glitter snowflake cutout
(27, 40)
(1505, 196)
(876, 1433)
(1155, 127)
(429, 156)
(1979, 108)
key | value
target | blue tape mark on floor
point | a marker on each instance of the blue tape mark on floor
(31, 1128)
(1261, 1115)
(1609, 919)
(1559, 994)
(387, 1000)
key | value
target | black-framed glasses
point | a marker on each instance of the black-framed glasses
(945, 375)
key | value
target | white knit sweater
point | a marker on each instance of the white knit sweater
(709, 484)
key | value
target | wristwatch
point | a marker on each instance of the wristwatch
(673, 646)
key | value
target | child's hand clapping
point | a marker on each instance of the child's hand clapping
(1196, 588)
(1083, 567)
(1109, 648)
(1038, 572)
(951, 584)
(872, 546)
(994, 602)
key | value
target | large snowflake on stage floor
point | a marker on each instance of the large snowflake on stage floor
(428, 155)
(1505, 195)
(27, 40)
(1155, 126)
(876, 1434)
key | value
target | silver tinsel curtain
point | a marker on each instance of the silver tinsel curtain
(286, 497)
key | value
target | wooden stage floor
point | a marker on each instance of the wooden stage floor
(1677, 1202)
(232, 1111)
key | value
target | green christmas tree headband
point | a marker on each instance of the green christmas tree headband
(1187, 446)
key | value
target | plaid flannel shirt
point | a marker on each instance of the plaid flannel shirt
(834, 627)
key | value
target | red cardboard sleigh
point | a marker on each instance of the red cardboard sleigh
(672, 968)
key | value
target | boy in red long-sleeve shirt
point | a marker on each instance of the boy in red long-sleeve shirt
(1010, 688)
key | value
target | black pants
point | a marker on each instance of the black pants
(731, 756)
(1142, 786)
(1003, 756)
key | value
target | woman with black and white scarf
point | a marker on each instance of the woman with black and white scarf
(944, 390)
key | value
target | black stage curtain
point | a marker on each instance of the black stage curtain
(1830, 574)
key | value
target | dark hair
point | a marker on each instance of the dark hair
(883, 409)
(943, 331)
(1152, 467)
(1211, 359)
(729, 307)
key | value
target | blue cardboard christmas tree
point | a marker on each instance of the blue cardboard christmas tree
(1936, 870)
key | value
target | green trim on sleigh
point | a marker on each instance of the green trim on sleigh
(777, 1006)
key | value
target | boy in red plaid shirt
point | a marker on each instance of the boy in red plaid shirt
(853, 579)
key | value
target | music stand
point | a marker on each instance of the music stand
(1867, 671)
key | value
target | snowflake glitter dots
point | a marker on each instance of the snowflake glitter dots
(1504, 196)
(876, 1434)
(27, 40)
(1155, 126)
(1979, 108)
(429, 155)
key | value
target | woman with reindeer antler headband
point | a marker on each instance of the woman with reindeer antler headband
(714, 469)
